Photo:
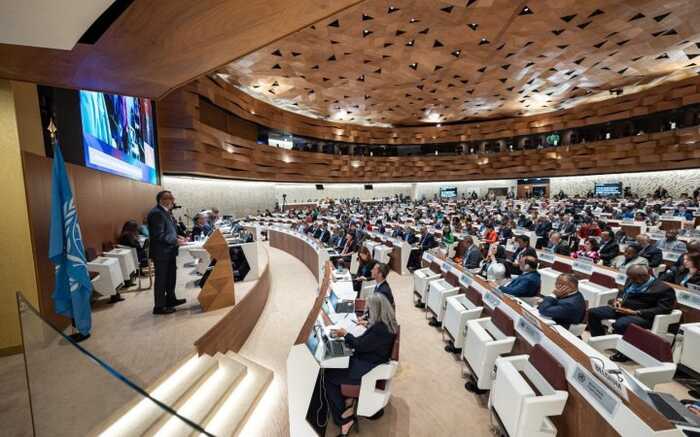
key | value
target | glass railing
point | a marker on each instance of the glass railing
(73, 392)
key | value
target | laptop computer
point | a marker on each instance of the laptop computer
(665, 403)
(341, 306)
(334, 348)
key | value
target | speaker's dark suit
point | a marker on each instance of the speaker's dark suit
(162, 232)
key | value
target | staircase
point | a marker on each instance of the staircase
(215, 392)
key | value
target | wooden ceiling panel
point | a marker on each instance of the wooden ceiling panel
(157, 45)
(434, 61)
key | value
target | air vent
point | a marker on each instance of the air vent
(104, 22)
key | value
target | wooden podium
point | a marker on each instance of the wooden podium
(218, 291)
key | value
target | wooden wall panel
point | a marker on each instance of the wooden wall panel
(104, 203)
(661, 98)
(191, 147)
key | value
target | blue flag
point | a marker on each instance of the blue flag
(71, 295)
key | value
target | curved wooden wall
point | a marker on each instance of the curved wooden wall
(231, 332)
(662, 98)
(189, 147)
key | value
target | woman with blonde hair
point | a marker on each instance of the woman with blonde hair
(372, 348)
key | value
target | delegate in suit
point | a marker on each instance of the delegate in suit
(164, 246)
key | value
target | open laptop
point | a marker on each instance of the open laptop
(340, 306)
(665, 403)
(334, 348)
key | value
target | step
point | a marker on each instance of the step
(236, 408)
(207, 397)
(170, 391)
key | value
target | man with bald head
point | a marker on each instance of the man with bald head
(643, 297)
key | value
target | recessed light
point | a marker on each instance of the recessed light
(413, 20)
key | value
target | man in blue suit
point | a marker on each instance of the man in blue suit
(567, 307)
(528, 283)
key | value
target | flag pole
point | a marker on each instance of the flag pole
(53, 133)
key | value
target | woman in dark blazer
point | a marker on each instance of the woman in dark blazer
(688, 274)
(364, 270)
(370, 349)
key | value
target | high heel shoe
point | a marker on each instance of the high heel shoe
(345, 422)
(348, 409)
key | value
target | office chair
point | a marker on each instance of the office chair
(458, 311)
(486, 340)
(652, 352)
(528, 390)
(374, 391)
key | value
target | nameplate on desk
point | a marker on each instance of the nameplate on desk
(613, 382)
(627, 221)
(598, 391)
(620, 278)
(466, 280)
(547, 255)
(529, 330)
(657, 235)
(491, 300)
(583, 265)
(688, 298)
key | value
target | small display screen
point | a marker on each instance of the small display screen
(448, 192)
(608, 189)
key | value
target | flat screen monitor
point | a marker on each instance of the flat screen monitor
(608, 189)
(313, 340)
(118, 135)
(448, 192)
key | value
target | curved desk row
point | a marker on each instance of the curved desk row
(592, 408)
(308, 250)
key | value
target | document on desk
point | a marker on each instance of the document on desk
(350, 325)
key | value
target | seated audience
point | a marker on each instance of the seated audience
(642, 298)
(201, 228)
(447, 237)
(494, 267)
(671, 272)
(372, 348)
(528, 283)
(609, 249)
(589, 250)
(426, 242)
(364, 269)
(523, 249)
(490, 235)
(542, 230)
(558, 246)
(472, 255)
(379, 273)
(652, 253)
(688, 274)
(567, 306)
(630, 258)
(130, 237)
(671, 243)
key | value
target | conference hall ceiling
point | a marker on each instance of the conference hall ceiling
(424, 61)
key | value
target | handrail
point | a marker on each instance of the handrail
(21, 300)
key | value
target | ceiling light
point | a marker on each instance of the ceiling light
(413, 20)
(438, 125)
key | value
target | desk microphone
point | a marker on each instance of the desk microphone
(177, 206)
